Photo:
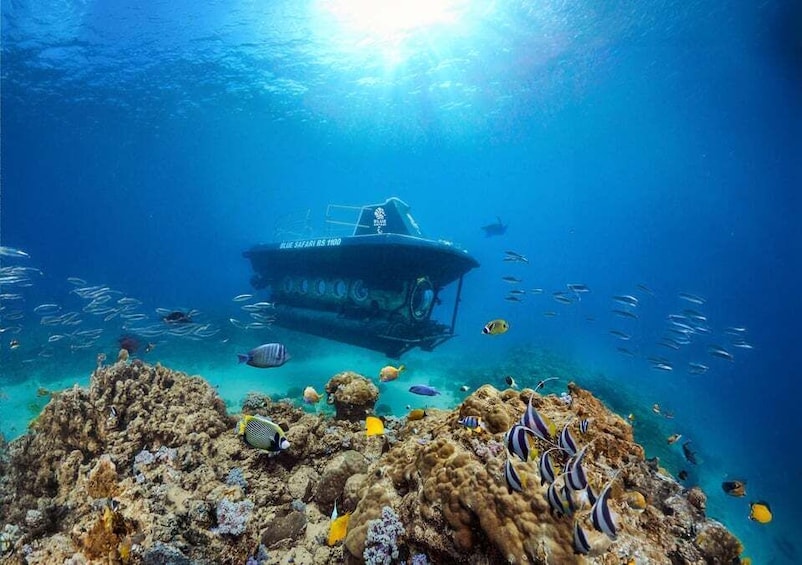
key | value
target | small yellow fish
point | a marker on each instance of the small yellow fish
(496, 327)
(311, 396)
(338, 529)
(631, 417)
(390, 373)
(673, 438)
(374, 426)
(760, 512)
(417, 414)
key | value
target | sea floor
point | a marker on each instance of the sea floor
(722, 454)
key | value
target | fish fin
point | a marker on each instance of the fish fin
(401, 368)
(243, 358)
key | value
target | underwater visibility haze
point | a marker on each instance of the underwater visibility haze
(626, 174)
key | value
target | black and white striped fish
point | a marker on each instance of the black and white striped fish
(266, 356)
(583, 425)
(601, 516)
(581, 543)
(575, 477)
(555, 500)
(517, 441)
(262, 433)
(535, 422)
(566, 441)
(546, 468)
(514, 482)
(590, 495)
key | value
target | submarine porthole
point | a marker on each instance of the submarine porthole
(320, 287)
(303, 286)
(359, 293)
(339, 289)
(421, 300)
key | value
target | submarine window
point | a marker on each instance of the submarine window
(421, 301)
(303, 286)
(340, 289)
(287, 284)
(358, 291)
(320, 287)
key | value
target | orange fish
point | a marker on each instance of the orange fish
(390, 373)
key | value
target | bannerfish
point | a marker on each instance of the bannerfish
(542, 383)
(390, 373)
(537, 424)
(581, 543)
(566, 441)
(311, 396)
(495, 327)
(517, 442)
(546, 467)
(510, 382)
(266, 356)
(673, 438)
(374, 426)
(734, 488)
(760, 512)
(601, 516)
(514, 481)
(261, 433)
(464, 388)
(497, 228)
(424, 390)
(583, 425)
(13, 344)
(683, 474)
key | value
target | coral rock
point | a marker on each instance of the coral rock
(353, 396)
(336, 473)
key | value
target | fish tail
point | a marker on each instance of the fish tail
(243, 358)
(401, 368)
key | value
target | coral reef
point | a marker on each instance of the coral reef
(163, 478)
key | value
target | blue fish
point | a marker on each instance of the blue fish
(424, 390)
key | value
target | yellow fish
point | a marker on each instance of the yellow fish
(495, 327)
(311, 396)
(760, 512)
(374, 425)
(417, 414)
(338, 529)
(390, 373)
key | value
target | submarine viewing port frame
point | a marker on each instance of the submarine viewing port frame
(374, 286)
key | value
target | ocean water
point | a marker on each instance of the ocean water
(640, 148)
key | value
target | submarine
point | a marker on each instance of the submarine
(373, 281)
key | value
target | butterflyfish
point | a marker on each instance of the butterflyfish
(261, 433)
(416, 414)
(495, 327)
(338, 529)
(760, 512)
(734, 488)
(374, 426)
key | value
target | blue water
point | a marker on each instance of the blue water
(146, 145)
